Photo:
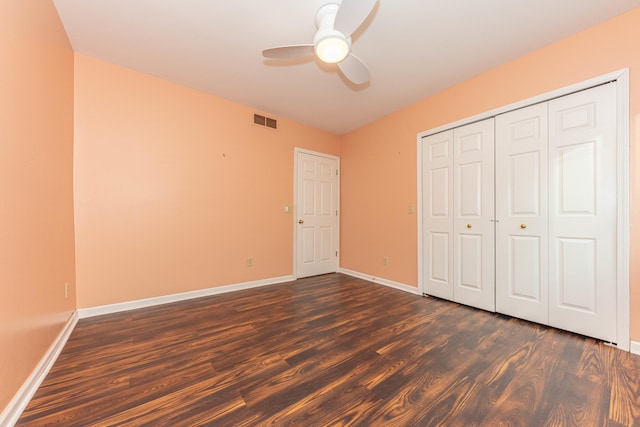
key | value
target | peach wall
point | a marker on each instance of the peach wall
(36, 193)
(379, 161)
(175, 188)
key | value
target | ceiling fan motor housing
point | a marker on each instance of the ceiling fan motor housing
(329, 44)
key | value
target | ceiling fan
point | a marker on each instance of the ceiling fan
(336, 22)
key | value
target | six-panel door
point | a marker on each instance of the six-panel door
(582, 205)
(522, 285)
(317, 215)
(437, 237)
(473, 210)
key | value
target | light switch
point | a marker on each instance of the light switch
(412, 209)
(287, 209)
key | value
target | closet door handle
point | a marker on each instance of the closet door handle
(523, 226)
(468, 225)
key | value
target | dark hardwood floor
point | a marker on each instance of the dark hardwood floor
(332, 351)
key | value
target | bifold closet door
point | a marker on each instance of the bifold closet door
(473, 215)
(458, 207)
(437, 214)
(554, 223)
(522, 213)
(582, 207)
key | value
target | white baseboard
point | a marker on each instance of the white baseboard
(12, 412)
(148, 302)
(389, 283)
(635, 347)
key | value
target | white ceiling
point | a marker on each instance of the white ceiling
(413, 48)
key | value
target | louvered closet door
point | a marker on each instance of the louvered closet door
(522, 214)
(473, 207)
(582, 223)
(437, 217)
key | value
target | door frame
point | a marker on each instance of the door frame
(296, 151)
(623, 184)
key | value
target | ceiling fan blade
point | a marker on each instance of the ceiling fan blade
(286, 52)
(354, 69)
(352, 14)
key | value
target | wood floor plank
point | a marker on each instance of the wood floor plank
(331, 351)
(624, 374)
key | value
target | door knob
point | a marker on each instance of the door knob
(301, 221)
(468, 225)
(523, 226)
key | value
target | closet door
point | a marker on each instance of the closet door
(473, 207)
(522, 214)
(437, 226)
(582, 223)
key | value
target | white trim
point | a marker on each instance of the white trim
(419, 214)
(17, 405)
(622, 78)
(624, 228)
(166, 299)
(635, 347)
(389, 283)
(615, 75)
(297, 150)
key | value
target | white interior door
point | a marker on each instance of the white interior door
(473, 207)
(316, 250)
(437, 217)
(582, 223)
(522, 214)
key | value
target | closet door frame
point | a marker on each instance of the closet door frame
(623, 228)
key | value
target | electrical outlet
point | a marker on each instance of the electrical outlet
(412, 209)
(66, 291)
(249, 262)
(385, 261)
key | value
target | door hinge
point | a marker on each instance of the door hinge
(336, 212)
(336, 172)
(336, 253)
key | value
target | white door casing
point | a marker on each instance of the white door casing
(583, 209)
(437, 235)
(316, 207)
(473, 215)
(522, 213)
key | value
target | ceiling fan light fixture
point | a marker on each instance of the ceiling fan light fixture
(336, 22)
(332, 49)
